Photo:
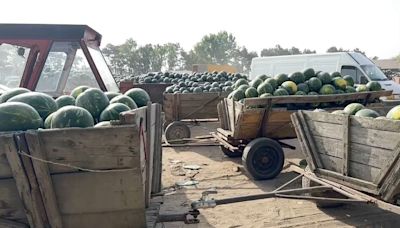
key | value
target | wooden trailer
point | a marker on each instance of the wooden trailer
(82, 177)
(188, 106)
(253, 129)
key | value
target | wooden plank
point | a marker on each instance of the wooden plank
(88, 192)
(348, 181)
(346, 142)
(309, 139)
(157, 157)
(27, 194)
(362, 154)
(11, 207)
(150, 122)
(4, 223)
(82, 147)
(388, 164)
(43, 178)
(117, 219)
(5, 170)
(305, 147)
(390, 182)
(379, 125)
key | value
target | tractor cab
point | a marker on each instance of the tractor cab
(53, 59)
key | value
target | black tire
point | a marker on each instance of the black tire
(231, 154)
(306, 183)
(177, 130)
(263, 158)
(165, 125)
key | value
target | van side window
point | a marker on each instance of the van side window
(353, 72)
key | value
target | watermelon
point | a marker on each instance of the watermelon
(308, 73)
(303, 87)
(197, 90)
(297, 77)
(139, 96)
(353, 108)
(19, 117)
(72, 116)
(349, 80)
(78, 90)
(65, 100)
(251, 92)
(111, 95)
(314, 84)
(300, 93)
(339, 83)
(123, 99)
(367, 113)
(43, 103)
(243, 87)
(290, 86)
(265, 88)
(263, 77)
(362, 88)
(12, 93)
(238, 95)
(93, 100)
(265, 95)
(273, 82)
(394, 113)
(256, 82)
(103, 124)
(281, 92)
(336, 74)
(327, 89)
(339, 112)
(47, 122)
(312, 93)
(324, 77)
(240, 82)
(112, 111)
(374, 86)
(281, 78)
(350, 89)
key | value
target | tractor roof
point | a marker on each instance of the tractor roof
(49, 32)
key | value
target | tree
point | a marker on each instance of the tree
(243, 59)
(335, 49)
(278, 50)
(217, 48)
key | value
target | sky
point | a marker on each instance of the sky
(370, 25)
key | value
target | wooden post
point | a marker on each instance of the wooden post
(346, 142)
(157, 156)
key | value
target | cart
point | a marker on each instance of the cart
(181, 108)
(254, 129)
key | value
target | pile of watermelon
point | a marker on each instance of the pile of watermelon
(303, 83)
(21, 109)
(358, 109)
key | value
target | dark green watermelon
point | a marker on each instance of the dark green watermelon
(93, 100)
(43, 103)
(314, 84)
(17, 116)
(297, 77)
(12, 93)
(47, 122)
(78, 90)
(374, 86)
(139, 96)
(324, 77)
(112, 111)
(111, 95)
(72, 116)
(308, 73)
(265, 87)
(272, 82)
(124, 99)
(367, 113)
(65, 100)
(251, 92)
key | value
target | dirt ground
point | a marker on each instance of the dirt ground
(227, 176)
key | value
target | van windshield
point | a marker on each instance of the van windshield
(374, 73)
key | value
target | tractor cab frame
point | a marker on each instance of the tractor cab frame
(53, 59)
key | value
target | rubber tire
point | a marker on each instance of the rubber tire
(257, 146)
(231, 154)
(306, 183)
(177, 130)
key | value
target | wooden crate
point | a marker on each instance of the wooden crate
(360, 153)
(92, 177)
(191, 105)
(257, 117)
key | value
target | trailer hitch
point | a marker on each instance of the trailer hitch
(205, 201)
(188, 218)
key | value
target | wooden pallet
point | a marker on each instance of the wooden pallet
(357, 152)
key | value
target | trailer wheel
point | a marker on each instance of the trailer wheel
(165, 124)
(177, 130)
(231, 154)
(263, 158)
(306, 183)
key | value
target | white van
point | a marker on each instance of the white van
(354, 64)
